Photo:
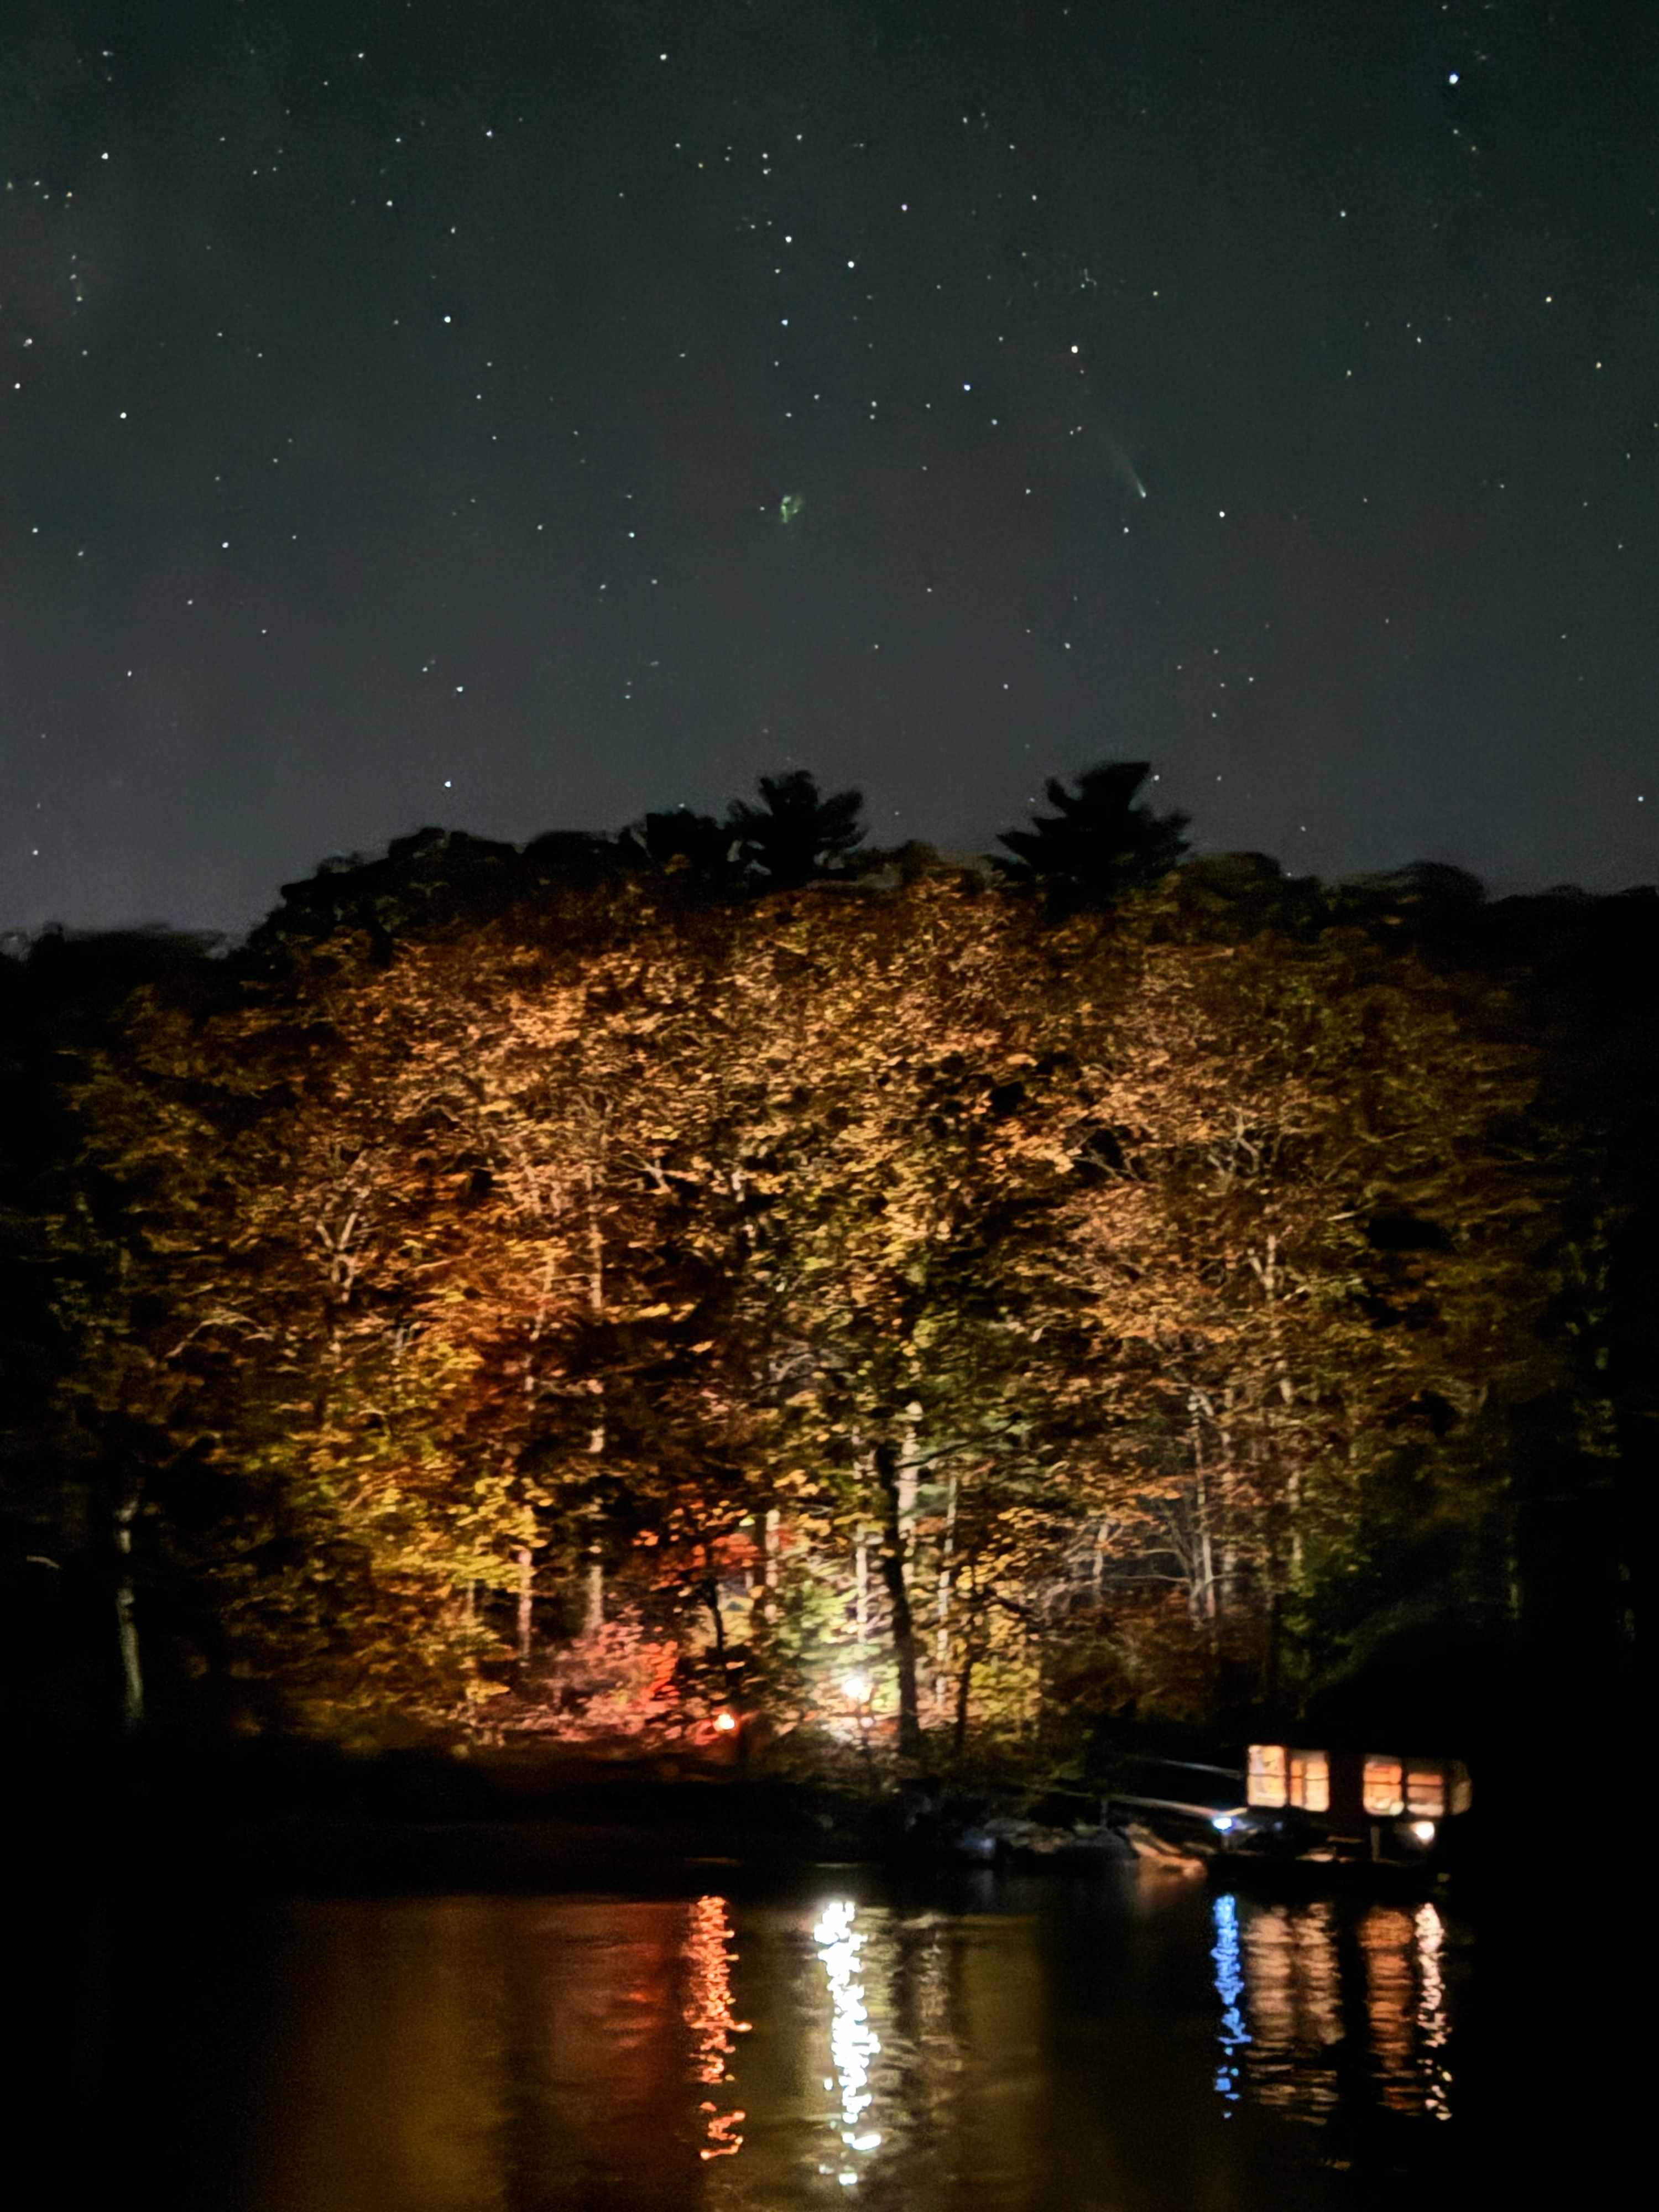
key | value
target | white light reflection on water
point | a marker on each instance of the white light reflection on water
(1432, 2025)
(853, 2043)
(1327, 2005)
(1028, 2048)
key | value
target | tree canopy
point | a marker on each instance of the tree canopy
(533, 1296)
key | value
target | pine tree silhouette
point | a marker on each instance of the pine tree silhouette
(1099, 845)
(794, 834)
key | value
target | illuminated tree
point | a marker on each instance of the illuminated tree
(903, 1267)
(1323, 1237)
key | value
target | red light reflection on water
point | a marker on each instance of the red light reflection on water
(707, 2013)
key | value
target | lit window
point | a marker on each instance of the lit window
(1383, 1793)
(1265, 1782)
(1311, 1781)
(1426, 1791)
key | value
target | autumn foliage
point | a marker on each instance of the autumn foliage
(623, 1303)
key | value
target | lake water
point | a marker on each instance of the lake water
(1125, 2042)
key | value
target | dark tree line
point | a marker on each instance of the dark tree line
(1102, 844)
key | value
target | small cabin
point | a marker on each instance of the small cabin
(1388, 1804)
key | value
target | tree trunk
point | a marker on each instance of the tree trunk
(126, 1624)
(763, 1594)
(1204, 1580)
(1203, 1593)
(1293, 1508)
(909, 1476)
(593, 1605)
(711, 1599)
(1226, 1515)
(893, 1548)
(963, 1682)
(942, 1602)
(523, 1604)
(1267, 1274)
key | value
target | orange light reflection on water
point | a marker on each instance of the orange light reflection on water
(1318, 2007)
(708, 2014)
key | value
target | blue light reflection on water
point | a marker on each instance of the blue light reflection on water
(1229, 1988)
(1005, 2045)
(1324, 2005)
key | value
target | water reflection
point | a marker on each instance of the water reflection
(853, 2044)
(707, 2013)
(1325, 2005)
(895, 2059)
(1433, 2028)
(1229, 1988)
(1025, 2047)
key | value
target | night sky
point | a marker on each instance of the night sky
(515, 415)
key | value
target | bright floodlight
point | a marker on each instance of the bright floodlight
(1424, 1831)
(726, 1722)
(856, 1687)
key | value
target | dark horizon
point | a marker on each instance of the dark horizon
(231, 936)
